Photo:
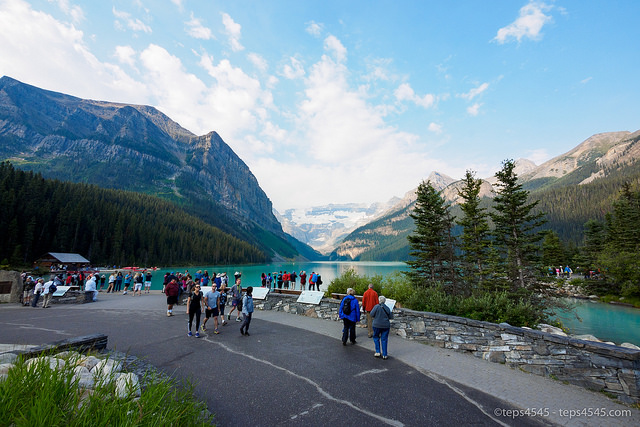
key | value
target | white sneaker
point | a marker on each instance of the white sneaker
(376, 354)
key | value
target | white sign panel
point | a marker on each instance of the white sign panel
(390, 303)
(260, 293)
(60, 291)
(311, 297)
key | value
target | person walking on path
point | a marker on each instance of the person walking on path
(247, 311)
(137, 284)
(236, 300)
(46, 293)
(171, 291)
(369, 300)
(212, 309)
(127, 282)
(194, 309)
(381, 325)
(147, 282)
(350, 314)
(112, 283)
(37, 291)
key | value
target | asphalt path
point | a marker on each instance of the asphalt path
(280, 375)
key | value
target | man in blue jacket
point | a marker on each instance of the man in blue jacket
(349, 312)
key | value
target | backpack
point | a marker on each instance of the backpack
(53, 288)
(346, 306)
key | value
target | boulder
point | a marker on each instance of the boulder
(587, 337)
(5, 367)
(88, 362)
(106, 368)
(127, 385)
(551, 329)
(629, 345)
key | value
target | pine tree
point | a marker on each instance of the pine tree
(475, 241)
(432, 244)
(515, 228)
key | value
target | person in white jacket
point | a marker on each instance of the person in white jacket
(90, 286)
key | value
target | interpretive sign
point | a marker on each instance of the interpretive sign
(60, 291)
(260, 293)
(310, 297)
(390, 303)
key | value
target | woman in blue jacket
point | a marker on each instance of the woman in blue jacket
(382, 316)
(349, 312)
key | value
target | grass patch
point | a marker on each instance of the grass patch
(38, 395)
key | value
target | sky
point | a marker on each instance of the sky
(346, 101)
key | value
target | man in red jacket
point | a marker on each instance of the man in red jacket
(369, 300)
(171, 291)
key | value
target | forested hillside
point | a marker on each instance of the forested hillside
(109, 227)
(569, 207)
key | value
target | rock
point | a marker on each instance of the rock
(106, 368)
(54, 362)
(586, 337)
(551, 329)
(8, 357)
(88, 362)
(69, 355)
(629, 345)
(127, 385)
(5, 367)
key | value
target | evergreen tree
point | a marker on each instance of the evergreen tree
(475, 239)
(432, 253)
(594, 240)
(515, 228)
(553, 253)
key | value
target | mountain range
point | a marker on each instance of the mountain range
(137, 148)
(605, 159)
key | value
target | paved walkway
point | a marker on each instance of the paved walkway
(491, 394)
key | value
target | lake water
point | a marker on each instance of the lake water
(605, 321)
(608, 322)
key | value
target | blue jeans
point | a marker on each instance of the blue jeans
(378, 336)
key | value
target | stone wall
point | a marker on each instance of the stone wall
(596, 366)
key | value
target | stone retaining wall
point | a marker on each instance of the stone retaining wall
(596, 366)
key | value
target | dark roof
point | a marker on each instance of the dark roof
(66, 258)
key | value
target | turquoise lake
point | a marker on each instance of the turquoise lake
(606, 321)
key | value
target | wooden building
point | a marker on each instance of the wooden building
(62, 261)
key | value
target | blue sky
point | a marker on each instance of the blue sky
(346, 101)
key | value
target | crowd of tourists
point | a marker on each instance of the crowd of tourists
(285, 280)
(213, 302)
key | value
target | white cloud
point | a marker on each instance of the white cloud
(474, 109)
(293, 71)
(405, 92)
(133, 24)
(126, 55)
(332, 44)
(475, 92)
(435, 128)
(315, 29)
(75, 11)
(234, 31)
(585, 81)
(529, 24)
(33, 41)
(258, 61)
(196, 30)
(341, 138)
